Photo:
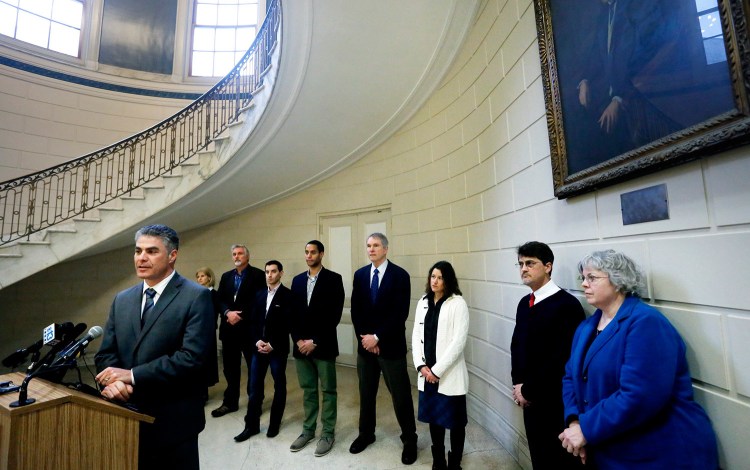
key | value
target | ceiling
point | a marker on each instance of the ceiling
(351, 73)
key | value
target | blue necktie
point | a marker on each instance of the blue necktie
(237, 282)
(150, 293)
(374, 286)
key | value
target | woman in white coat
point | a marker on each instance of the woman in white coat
(441, 326)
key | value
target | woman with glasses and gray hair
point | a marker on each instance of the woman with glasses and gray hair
(627, 391)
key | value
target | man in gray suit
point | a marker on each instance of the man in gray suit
(155, 350)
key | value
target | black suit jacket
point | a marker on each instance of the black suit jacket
(318, 320)
(272, 326)
(254, 280)
(168, 356)
(387, 317)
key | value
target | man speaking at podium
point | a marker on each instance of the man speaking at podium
(154, 352)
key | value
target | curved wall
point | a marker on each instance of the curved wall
(468, 179)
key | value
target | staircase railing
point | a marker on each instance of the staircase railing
(37, 201)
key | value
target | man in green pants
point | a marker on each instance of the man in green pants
(318, 304)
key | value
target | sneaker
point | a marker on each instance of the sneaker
(325, 444)
(301, 442)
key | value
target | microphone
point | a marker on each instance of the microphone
(50, 367)
(73, 350)
(58, 337)
(51, 335)
(56, 333)
(18, 357)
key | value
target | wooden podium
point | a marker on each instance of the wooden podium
(66, 429)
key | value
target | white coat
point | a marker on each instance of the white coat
(452, 332)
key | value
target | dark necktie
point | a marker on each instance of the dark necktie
(531, 300)
(237, 282)
(150, 293)
(374, 286)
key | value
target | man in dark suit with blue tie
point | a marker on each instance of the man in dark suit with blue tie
(380, 307)
(155, 350)
(269, 333)
(237, 291)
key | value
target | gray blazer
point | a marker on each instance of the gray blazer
(168, 356)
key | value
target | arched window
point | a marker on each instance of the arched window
(51, 24)
(222, 32)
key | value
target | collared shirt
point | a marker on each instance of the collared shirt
(311, 284)
(269, 297)
(159, 288)
(381, 271)
(545, 291)
(238, 278)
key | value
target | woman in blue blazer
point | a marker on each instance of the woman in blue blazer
(627, 391)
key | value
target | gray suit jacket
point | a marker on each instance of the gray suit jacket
(168, 356)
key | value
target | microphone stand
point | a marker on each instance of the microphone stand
(23, 399)
(34, 360)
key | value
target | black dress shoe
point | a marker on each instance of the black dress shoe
(246, 434)
(361, 443)
(273, 431)
(222, 410)
(409, 455)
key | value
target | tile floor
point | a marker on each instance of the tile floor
(218, 451)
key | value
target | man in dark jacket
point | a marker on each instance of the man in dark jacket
(318, 304)
(380, 306)
(237, 291)
(546, 320)
(155, 350)
(269, 333)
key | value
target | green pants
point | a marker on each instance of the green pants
(309, 372)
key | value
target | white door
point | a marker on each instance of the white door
(345, 237)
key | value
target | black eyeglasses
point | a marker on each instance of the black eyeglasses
(528, 263)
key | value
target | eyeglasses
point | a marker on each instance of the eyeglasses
(528, 263)
(590, 278)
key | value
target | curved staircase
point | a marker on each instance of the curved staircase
(75, 230)
(342, 77)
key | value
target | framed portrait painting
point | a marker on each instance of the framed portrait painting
(634, 86)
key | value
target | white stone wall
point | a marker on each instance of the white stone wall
(45, 122)
(467, 180)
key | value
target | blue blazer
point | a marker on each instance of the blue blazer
(168, 356)
(386, 318)
(632, 393)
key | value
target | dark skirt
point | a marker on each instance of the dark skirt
(443, 410)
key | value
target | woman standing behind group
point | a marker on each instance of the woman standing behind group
(441, 327)
(627, 390)
(205, 277)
